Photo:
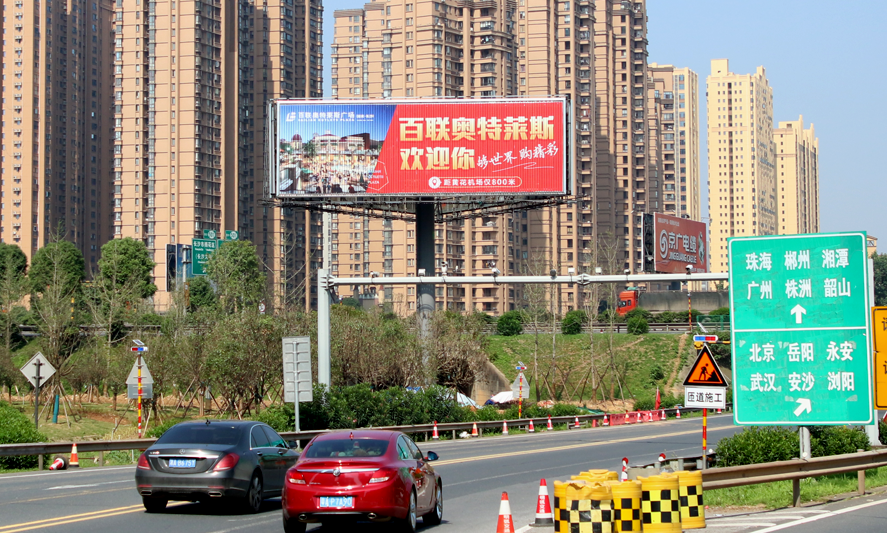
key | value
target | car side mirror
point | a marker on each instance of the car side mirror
(293, 444)
(431, 456)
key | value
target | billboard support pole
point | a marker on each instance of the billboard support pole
(425, 260)
(324, 300)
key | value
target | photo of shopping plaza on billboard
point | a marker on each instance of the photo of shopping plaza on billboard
(442, 148)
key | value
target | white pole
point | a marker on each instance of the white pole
(324, 301)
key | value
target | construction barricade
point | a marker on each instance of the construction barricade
(581, 507)
(626, 505)
(599, 475)
(692, 507)
(660, 504)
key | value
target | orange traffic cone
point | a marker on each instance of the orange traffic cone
(531, 429)
(506, 524)
(662, 415)
(434, 435)
(474, 429)
(59, 463)
(576, 424)
(650, 414)
(550, 427)
(594, 422)
(74, 462)
(606, 421)
(504, 427)
(544, 516)
(678, 414)
(624, 476)
(640, 419)
(719, 410)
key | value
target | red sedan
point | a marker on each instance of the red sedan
(372, 475)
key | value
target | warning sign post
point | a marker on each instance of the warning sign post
(705, 388)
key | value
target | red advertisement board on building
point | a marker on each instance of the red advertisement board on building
(679, 242)
(420, 147)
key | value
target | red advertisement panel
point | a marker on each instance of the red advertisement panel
(429, 148)
(679, 242)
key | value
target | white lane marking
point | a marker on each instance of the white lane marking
(247, 526)
(63, 487)
(524, 529)
(821, 516)
(739, 524)
(59, 472)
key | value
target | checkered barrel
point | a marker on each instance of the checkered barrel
(660, 504)
(583, 507)
(600, 475)
(626, 505)
(692, 507)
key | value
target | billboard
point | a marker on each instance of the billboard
(679, 242)
(339, 149)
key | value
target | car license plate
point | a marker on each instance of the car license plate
(337, 502)
(182, 463)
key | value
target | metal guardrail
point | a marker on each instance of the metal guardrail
(670, 327)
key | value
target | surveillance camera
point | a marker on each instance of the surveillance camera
(627, 271)
(571, 271)
(598, 270)
(689, 269)
(553, 273)
(421, 271)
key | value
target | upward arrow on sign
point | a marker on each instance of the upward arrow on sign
(798, 311)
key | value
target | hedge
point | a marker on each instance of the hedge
(773, 443)
(16, 428)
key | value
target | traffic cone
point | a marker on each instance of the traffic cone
(59, 463)
(506, 524)
(678, 414)
(550, 427)
(504, 427)
(74, 462)
(544, 516)
(624, 476)
(474, 429)
(719, 410)
(606, 421)
(650, 414)
(640, 419)
(576, 425)
(531, 429)
(662, 415)
(661, 458)
(594, 422)
(434, 435)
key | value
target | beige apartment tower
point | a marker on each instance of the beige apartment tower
(593, 52)
(191, 83)
(742, 188)
(797, 175)
(57, 115)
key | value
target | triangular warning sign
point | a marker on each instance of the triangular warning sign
(133, 378)
(705, 371)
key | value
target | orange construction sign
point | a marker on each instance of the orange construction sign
(705, 371)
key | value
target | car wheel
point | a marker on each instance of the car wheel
(408, 524)
(294, 526)
(253, 501)
(436, 515)
(154, 505)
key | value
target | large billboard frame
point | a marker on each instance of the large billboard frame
(671, 245)
(403, 201)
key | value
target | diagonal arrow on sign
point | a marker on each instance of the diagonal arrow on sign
(804, 404)
(798, 311)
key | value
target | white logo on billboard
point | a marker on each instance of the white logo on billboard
(291, 116)
(663, 244)
(701, 245)
(434, 182)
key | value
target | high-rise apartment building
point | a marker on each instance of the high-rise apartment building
(594, 52)
(742, 183)
(55, 124)
(191, 82)
(797, 177)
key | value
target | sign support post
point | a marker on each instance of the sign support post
(140, 394)
(38, 364)
(705, 439)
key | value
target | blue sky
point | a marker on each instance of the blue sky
(823, 60)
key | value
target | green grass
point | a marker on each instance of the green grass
(779, 494)
(643, 356)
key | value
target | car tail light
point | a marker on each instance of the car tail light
(143, 463)
(227, 463)
(296, 478)
(382, 475)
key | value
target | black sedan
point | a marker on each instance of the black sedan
(206, 460)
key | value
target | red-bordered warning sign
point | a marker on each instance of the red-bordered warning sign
(705, 371)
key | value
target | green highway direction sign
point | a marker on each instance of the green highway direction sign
(231, 235)
(800, 317)
(209, 234)
(201, 249)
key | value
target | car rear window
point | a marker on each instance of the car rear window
(347, 448)
(201, 434)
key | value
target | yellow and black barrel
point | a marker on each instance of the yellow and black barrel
(692, 507)
(600, 475)
(660, 504)
(581, 507)
(626, 505)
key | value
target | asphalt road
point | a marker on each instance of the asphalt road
(474, 472)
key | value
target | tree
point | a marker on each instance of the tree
(509, 324)
(13, 287)
(880, 270)
(573, 322)
(58, 265)
(201, 294)
(237, 274)
(127, 262)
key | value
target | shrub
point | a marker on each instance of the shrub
(669, 317)
(756, 444)
(281, 417)
(666, 401)
(565, 409)
(836, 440)
(639, 312)
(573, 322)
(882, 431)
(720, 311)
(644, 403)
(656, 373)
(509, 324)
(157, 431)
(637, 326)
(17, 428)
